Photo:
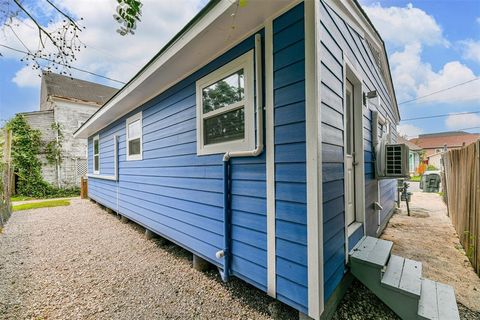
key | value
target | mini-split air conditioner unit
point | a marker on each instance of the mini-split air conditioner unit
(391, 160)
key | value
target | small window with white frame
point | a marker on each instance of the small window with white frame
(134, 137)
(225, 108)
(96, 155)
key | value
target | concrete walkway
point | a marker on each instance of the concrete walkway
(429, 237)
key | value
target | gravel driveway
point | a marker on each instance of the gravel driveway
(79, 262)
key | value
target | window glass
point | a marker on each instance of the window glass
(96, 155)
(97, 163)
(225, 127)
(224, 92)
(134, 146)
(134, 129)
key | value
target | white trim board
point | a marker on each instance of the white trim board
(355, 78)
(314, 160)
(270, 160)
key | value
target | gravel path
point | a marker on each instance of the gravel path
(79, 262)
(429, 237)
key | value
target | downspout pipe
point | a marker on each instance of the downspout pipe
(227, 217)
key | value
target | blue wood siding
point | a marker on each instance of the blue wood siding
(178, 194)
(290, 162)
(338, 39)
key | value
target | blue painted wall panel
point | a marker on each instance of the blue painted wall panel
(290, 163)
(178, 194)
(339, 40)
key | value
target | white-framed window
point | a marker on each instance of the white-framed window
(96, 154)
(225, 108)
(134, 137)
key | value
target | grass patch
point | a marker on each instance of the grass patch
(20, 198)
(415, 178)
(42, 204)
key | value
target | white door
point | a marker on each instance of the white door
(349, 155)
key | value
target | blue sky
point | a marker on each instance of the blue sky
(432, 45)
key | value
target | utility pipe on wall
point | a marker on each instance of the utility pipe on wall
(226, 252)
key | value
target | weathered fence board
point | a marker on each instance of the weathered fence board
(6, 178)
(462, 175)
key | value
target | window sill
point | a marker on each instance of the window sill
(134, 158)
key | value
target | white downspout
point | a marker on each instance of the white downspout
(225, 253)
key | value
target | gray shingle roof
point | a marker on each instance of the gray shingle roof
(70, 88)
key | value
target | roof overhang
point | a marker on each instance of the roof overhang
(215, 29)
(219, 26)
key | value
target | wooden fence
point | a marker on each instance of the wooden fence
(462, 176)
(6, 177)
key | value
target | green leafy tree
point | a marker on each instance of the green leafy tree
(53, 149)
(128, 14)
(26, 144)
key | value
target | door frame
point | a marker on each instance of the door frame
(354, 76)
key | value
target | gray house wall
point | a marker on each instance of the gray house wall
(70, 115)
(42, 120)
(74, 151)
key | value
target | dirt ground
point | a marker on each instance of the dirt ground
(428, 236)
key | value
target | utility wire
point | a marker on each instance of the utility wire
(441, 115)
(75, 68)
(439, 91)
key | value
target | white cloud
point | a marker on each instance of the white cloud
(455, 122)
(107, 52)
(403, 26)
(471, 50)
(26, 77)
(409, 130)
(452, 73)
(407, 31)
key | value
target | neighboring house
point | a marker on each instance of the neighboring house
(436, 142)
(247, 140)
(414, 155)
(67, 103)
(435, 160)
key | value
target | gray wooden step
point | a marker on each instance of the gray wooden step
(437, 302)
(404, 276)
(372, 251)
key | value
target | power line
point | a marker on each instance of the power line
(439, 91)
(441, 115)
(75, 68)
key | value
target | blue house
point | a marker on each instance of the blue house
(250, 139)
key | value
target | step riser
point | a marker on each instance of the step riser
(404, 306)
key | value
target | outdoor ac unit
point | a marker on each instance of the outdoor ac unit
(392, 161)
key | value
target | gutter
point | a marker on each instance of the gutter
(226, 253)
